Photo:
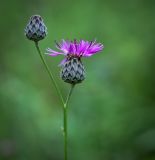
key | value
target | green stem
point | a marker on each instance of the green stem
(65, 121)
(65, 103)
(49, 72)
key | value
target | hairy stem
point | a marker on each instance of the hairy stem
(49, 72)
(65, 122)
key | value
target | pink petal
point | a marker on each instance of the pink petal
(53, 53)
(62, 62)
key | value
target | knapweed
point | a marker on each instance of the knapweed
(72, 67)
(36, 29)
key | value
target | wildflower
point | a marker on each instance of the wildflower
(36, 29)
(73, 70)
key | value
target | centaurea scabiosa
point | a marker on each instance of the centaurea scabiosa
(72, 71)
(36, 30)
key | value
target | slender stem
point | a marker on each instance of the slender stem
(69, 94)
(65, 103)
(65, 133)
(50, 73)
(65, 121)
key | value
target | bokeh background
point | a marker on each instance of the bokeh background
(111, 114)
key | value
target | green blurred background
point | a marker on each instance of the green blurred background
(111, 114)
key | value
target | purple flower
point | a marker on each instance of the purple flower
(73, 70)
(78, 49)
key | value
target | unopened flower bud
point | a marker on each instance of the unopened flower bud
(36, 29)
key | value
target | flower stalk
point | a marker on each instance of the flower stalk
(65, 103)
(65, 128)
(50, 73)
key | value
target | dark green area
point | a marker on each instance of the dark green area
(111, 114)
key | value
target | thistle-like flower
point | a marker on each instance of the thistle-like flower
(72, 67)
(36, 29)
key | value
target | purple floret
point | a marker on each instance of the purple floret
(76, 49)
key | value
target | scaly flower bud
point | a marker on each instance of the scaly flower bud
(36, 29)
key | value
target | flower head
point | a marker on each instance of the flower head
(73, 70)
(76, 49)
(36, 29)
